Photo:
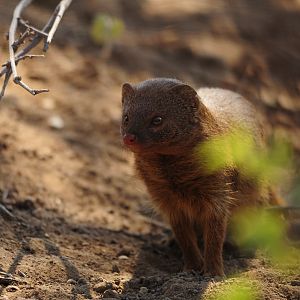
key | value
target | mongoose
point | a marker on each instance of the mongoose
(163, 120)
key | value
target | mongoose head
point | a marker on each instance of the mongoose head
(159, 115)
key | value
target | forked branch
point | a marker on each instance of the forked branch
(35, 35)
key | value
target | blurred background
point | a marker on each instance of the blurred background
(63, 169)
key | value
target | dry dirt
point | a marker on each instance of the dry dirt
(82, 227)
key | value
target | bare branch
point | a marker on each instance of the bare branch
(12, 32)
(21, 40)
(10, 68)
(30, 56)
(59, 12)
(5, 83)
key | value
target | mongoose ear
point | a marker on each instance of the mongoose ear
(188, 93)
(127, 90)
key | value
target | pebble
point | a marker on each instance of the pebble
(295, 283)
(125, 252)
(115, 269)
(56, 122)
(12, 288)
(71, 281)
(143, 290)
(81, 281)
(20, 273)
(102, 287)
(110, 294)
(123, 257)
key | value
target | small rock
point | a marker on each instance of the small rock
(143, 290)
(142, 279)
(20, 273)
(12, 288)
(115, 269)
(117, 281)
(71, 281)
(102, 286)
(81, 281)
(27, 204)
(110, 294)
(56, 122)
(295, 282)
(28, 249)
(123, 257)
(125, 252)
(6, 280)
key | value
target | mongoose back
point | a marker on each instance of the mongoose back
(163, 120)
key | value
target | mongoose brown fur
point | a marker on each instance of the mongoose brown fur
(163, 120)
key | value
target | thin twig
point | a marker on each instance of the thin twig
(12, 32)
(30, 56)
(283, 208)
(21, 40)
(32, 28)
(5, 83)
(59, 12)
(3, 210)
(18, 80)
(288, 212)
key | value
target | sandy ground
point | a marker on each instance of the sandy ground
(83, 227)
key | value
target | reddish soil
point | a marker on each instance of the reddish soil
(82, 227)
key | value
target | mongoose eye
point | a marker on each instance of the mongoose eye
(126, 119)
(157, 121)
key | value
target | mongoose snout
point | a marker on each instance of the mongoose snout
(130, 139)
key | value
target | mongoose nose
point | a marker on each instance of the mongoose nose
(129, 139)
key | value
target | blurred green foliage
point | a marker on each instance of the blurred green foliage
(106, 29)
(240, 289)
(237, 149)
(261, 229)
(294, 195)
(257, 229)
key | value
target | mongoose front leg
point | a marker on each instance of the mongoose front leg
(214, 236)
(186, 237)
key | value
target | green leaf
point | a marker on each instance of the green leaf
(106, 28)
